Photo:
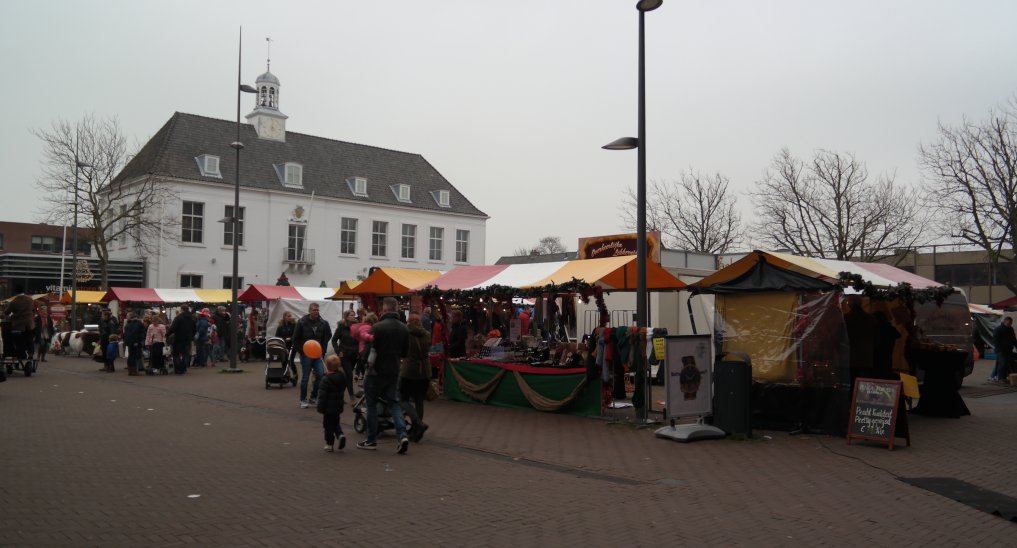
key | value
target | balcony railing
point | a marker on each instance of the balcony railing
(293, 255)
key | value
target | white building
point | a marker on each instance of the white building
(316, 209)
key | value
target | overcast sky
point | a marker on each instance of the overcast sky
(511, 100)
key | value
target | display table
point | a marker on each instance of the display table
(550, 389)
(939, 396)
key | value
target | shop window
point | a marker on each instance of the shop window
(45, 244)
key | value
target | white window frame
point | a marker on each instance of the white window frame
(358, 186)
(227, 227)
(408, 242)
(463, 250)
(343, 230)
(430, 243)
(403, 193)
(198, 219)
(208, 165)
(296, 242)
(379, 239)
(293, 175)
(442, 198)
(228, 279)
(200, 279)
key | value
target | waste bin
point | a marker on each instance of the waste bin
(732, 393)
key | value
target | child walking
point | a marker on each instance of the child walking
(112, 352)
(330, 402)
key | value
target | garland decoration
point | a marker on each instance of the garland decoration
(903, 290)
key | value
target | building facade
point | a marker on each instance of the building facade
(32, 257)
(315, 209)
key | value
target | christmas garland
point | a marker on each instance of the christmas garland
(504, 293)
(902, 290)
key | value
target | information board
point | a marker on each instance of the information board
(689, 379)
(873, 412)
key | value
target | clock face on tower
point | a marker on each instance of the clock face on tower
(275, 128)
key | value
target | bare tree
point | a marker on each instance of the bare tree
(545, 246)
(694, 213)
(114, 208)
(972, 171)
(830, 208)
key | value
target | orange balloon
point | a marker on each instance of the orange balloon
(312, 349)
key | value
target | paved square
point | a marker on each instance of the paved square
(211, 459)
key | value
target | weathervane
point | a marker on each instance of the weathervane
(268, 49)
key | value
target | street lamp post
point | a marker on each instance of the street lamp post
(235, 218)
(627, 143)
(78, 164)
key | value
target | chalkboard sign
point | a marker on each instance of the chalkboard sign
(874, 410)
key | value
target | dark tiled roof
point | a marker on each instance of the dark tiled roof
(326, 163)
(548, 258)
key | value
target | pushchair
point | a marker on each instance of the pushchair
(18, 349)
(279, 369)
(384, 416)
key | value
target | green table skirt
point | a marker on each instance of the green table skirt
(508, 393)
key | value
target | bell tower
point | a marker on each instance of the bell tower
(266, 118)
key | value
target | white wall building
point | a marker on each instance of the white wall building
(316, 209)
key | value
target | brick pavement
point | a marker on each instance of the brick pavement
(96, 459)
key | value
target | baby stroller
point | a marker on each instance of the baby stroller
(384, 417)
(18, 350)
(279, 369)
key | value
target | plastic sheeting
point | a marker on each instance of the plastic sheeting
(793, 338)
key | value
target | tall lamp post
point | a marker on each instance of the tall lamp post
(235, 218)
(78, 165)
(628, 143)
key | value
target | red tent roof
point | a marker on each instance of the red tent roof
(132, 294)
(269, 293)
(1005, 303)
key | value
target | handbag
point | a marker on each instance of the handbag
(432, 391)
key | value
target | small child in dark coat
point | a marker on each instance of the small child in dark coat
(330, 402)
(112, 352)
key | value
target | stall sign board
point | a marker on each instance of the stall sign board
(689, 380)
(873, 412)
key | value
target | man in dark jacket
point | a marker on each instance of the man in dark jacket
(391, 340)
(182, 332)
(222, 322)
(457, 335)
(134, 340)
(1004, 341)
(311, 327)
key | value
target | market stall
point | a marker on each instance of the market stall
(547, 369)
(811, 326)
(167, 296)
(284, 298)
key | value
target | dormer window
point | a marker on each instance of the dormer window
(208, 165)
(402, 193)
(441, 197)
(291, 174)
(358, 186)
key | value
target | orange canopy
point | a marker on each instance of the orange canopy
(393, 281)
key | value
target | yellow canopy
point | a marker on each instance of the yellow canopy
(394, 281)
(343, 292)
(611, 273)
(84, 297)
(214, 295)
